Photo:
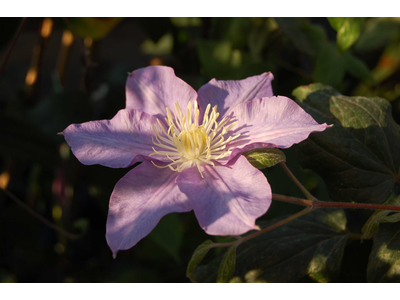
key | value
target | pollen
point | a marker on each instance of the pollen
(187, 143)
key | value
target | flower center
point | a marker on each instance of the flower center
(188, 144)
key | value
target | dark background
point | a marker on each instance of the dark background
(73, 70)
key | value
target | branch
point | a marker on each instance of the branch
(297, 182)
(39, 217)
(319, 204)
(12, 45)
(291, 200)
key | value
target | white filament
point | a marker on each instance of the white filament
(188, 144)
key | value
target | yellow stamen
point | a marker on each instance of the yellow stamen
(188, 144)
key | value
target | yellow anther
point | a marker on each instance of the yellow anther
(188, 144)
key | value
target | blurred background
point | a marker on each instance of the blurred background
(59, 71)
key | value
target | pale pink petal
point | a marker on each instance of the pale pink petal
(229, 198)
(116, 143)
(271, 122)
(139, 200)
(155, 88)
(227, 94)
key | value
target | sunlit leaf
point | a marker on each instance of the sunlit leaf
(227, 266)
(308, 247)
(264, 157)
(336, 22)
(348, 31)
(185, 21)
(96, 28)
(384, 261)
(163, 46)
(359, 157)
(218, 59)
(197, 257)
(380, 216)
(388, 63)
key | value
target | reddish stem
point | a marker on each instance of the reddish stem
(297, 182)
(318, 204)
(12, 45)
(291, 200)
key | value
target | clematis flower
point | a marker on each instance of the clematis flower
(190, 146)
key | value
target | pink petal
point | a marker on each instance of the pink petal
(155, 88)
(139, 200)
(271, 122)
(116, 143)
(229, 199)
(227, 94)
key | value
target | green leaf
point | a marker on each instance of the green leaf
(262, 158)
(292, 28)
(215, 57)
(377, 33)
(308, 247)
(96, 28)
(330, 67)
(227, 266)
(237, 31)
(357, 67)
(388, 63)
(359, 157)
(380, 216)
(384, 260)
(197, 257)
(336, 22)
(348, 31)
(220, 60)
(168, 234)
(185, 21)
(163, 46)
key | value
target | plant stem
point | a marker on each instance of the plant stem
(273, 226)
(291, 200)
(39, 217)
(297, 182)
(12, 45)
(319, 204)
(280, 223)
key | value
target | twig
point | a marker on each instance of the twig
(297, 182)
(39, 217)
(320, 204)
(273, 226)
(12, 45)
(291, 200)
(280, 223)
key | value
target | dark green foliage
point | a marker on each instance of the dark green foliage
(356, 160)
(311, 246)
(355, 164)
(384, 261)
